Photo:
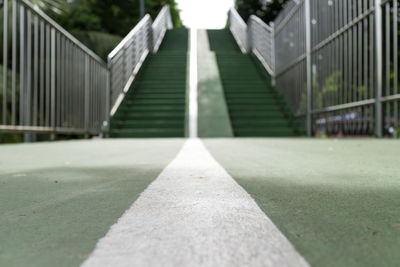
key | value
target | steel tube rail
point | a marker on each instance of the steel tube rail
(51, 82)
(239, 29)
(379, 64)
(307, 17)
(125, 61)
(161, 24)
(335, 61)
(261, 42)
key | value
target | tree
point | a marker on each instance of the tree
(51, 7)
(101, 24)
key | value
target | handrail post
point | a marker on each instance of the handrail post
(249, 45)
(53, 79)
(5, 59)
(106, 127)
(307, 19)
(150, 36)
(53, 83)
(87, 95)
(273, 80)
(170, 23)
(378, 67)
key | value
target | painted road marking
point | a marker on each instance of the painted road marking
(194, 214)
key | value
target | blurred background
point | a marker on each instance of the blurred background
(101, 24)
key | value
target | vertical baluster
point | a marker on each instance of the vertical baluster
(53, 79)
(35, 69)
(5, 60)
(22, 57)
(395, 62)
(28, 83)
(379, 65)
(48, 78)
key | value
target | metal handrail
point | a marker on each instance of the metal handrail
(142, 23)
(125, 61)
(239, 29)
(57, 84)
(261, 38)
(161, 24)
(329, 58)
(63, 31)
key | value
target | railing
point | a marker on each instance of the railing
(336, 63)
(239, 29)
(160, 26)
(51, 81)
(291, 57)
(126, 59)
(261, 42)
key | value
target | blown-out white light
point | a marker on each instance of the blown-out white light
(204, 14)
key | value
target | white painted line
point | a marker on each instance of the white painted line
(194, 214)
(193, 84)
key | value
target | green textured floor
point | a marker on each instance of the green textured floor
(155, 103)
(255, 108)
(57, 199)
(337, 201)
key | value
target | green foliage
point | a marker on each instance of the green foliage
(266, 10)
(326, 95)
(101, 24)
(51, 7)
(154, 6)
(115, 17)
(79, 17)
(100, 42)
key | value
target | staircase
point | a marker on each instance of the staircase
(255, 108)
(155, 104)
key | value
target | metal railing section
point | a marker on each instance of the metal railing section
(342, 63)
(239, 29)
(161, 24)
(291, 57)
(261, 42)
(126, 59)
(51, 81)
(336, 63)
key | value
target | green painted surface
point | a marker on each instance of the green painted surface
(155, 104)
(337, 201)
(255, 108)
(58, 199)
(213, 117)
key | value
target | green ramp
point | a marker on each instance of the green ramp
(155, 104)
(255, 108)
(213, 116)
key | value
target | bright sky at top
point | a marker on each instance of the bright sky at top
(204, 14)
